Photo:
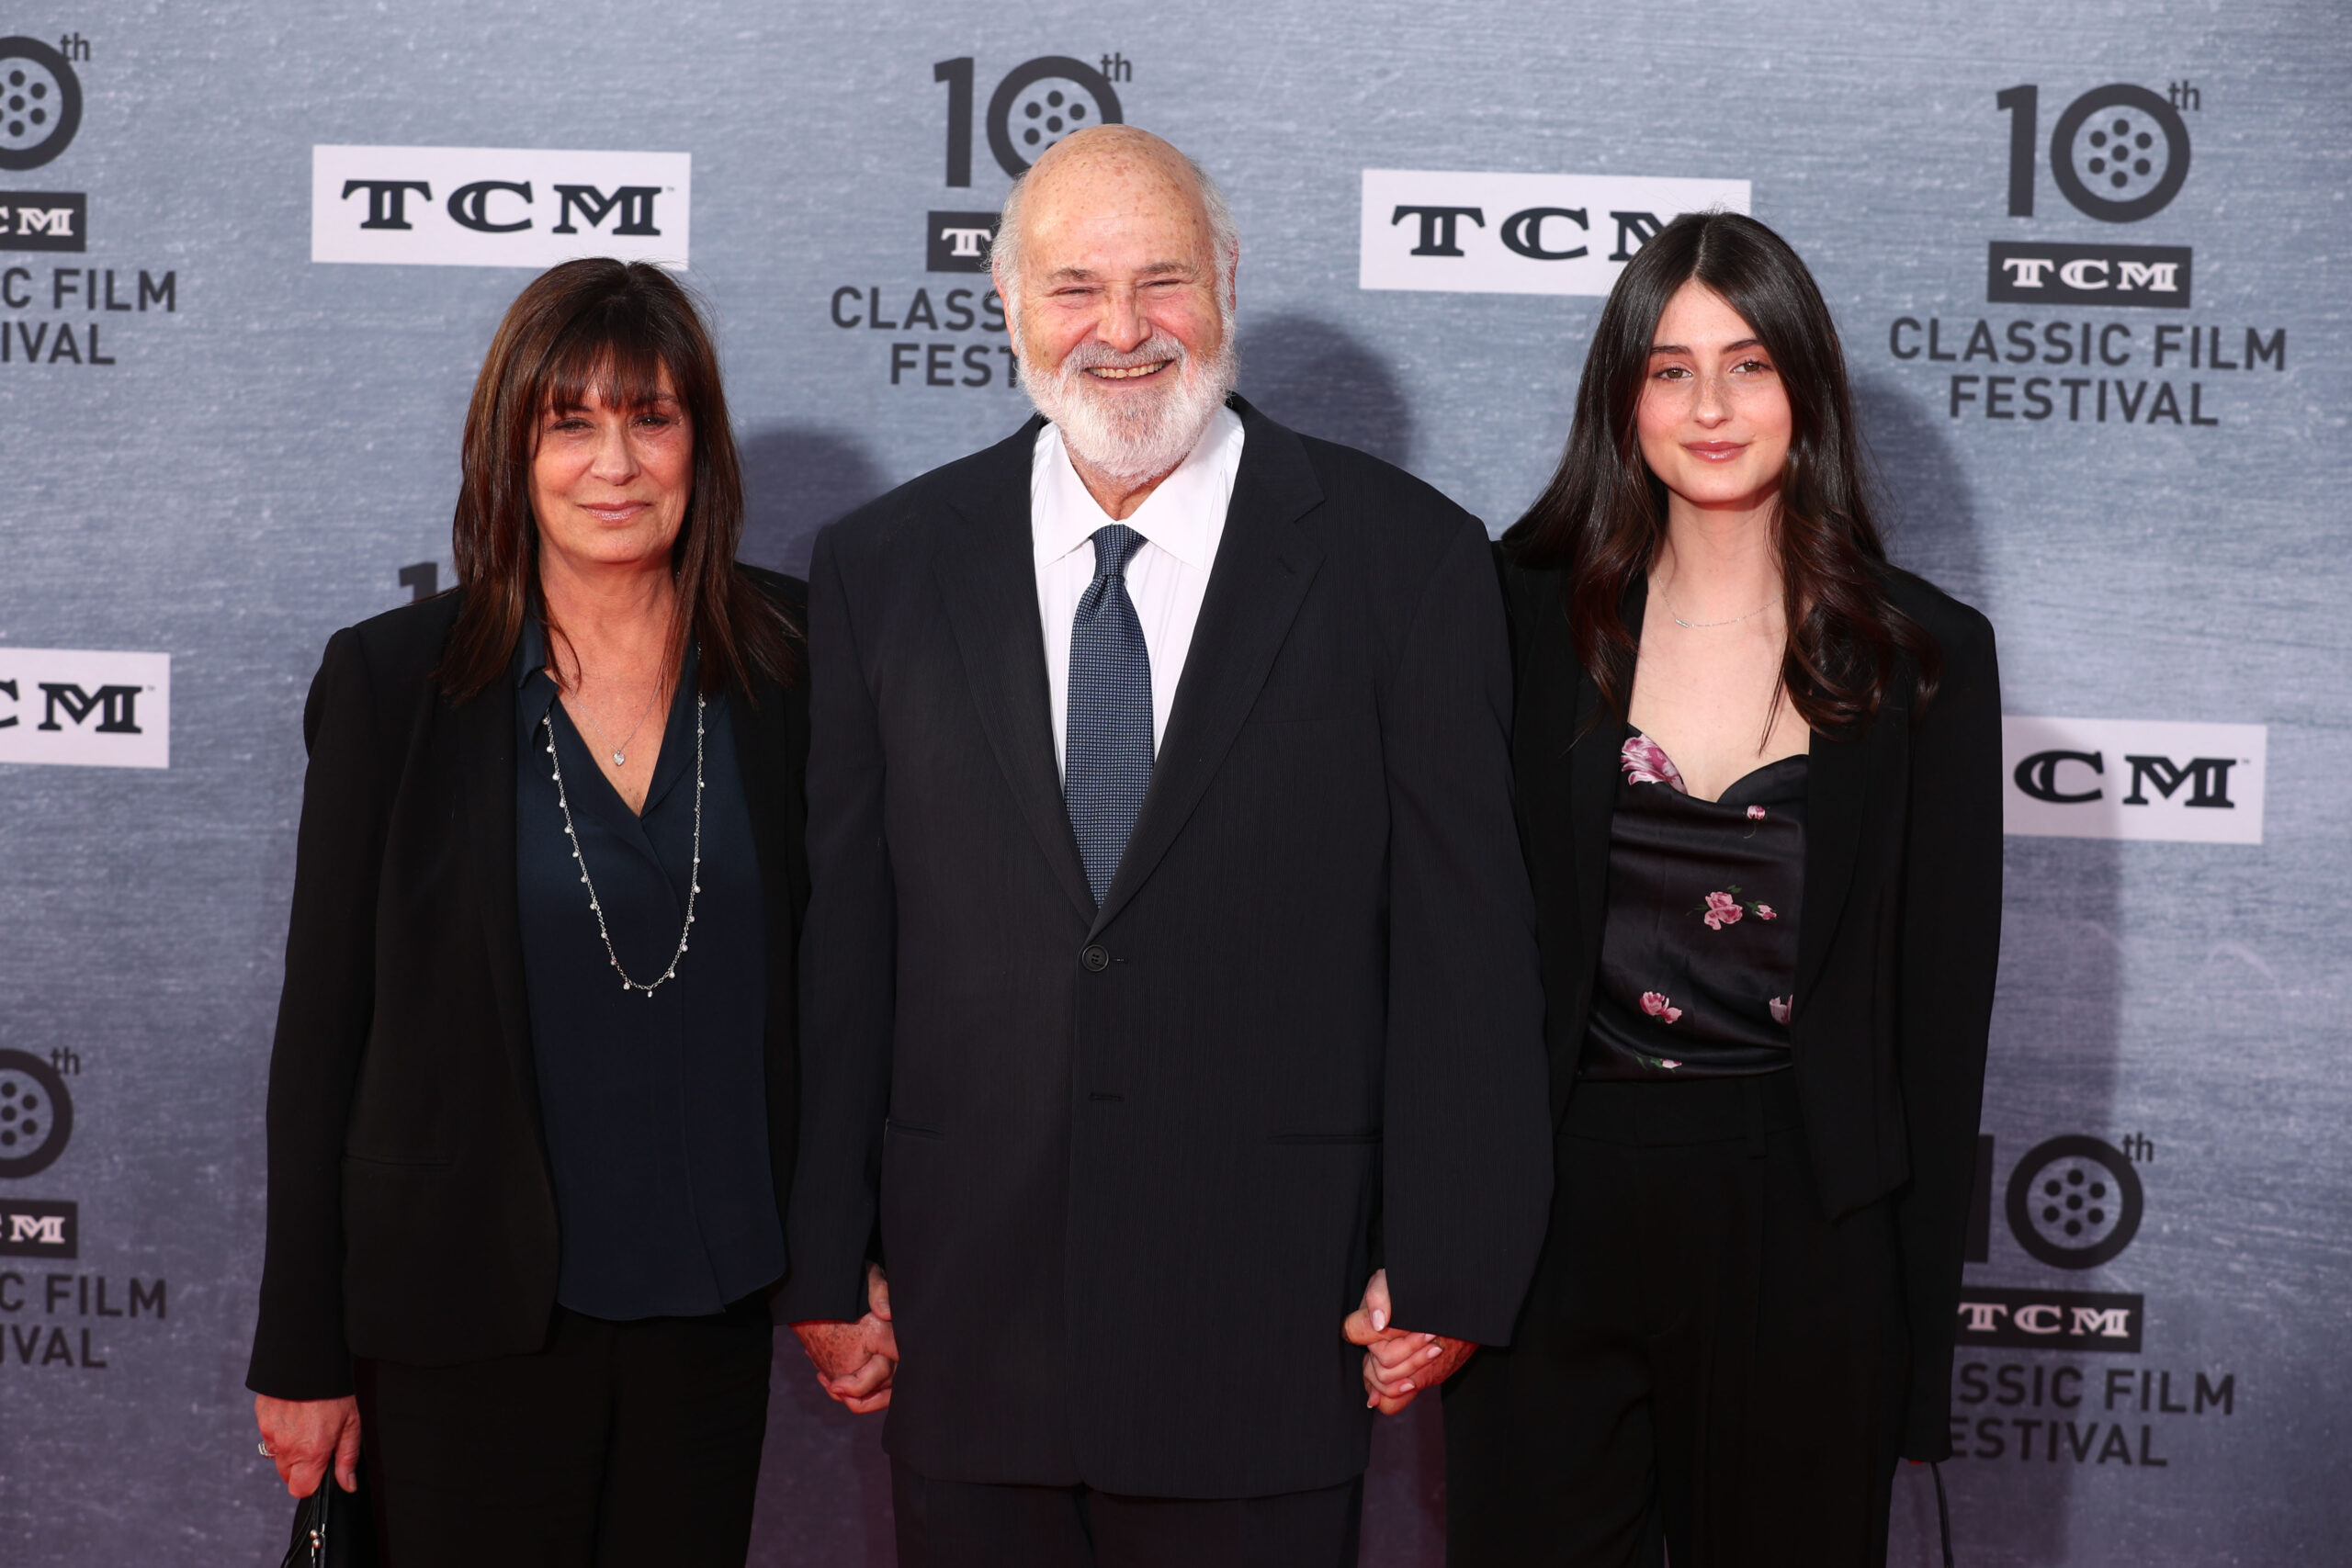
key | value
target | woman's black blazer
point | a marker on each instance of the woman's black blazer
(412, 1214)
(1899, 935)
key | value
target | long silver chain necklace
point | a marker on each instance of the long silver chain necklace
(1706, 626)
(596, 904)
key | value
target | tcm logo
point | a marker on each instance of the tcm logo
(44, 221)
(958, 241)
(2088, 275)
(497, 206)
(2118, 154)
(85, 706)
(2072, 1203)
(2103, 778)
(33, 1227)
(2050, 1320)
(1498, 233)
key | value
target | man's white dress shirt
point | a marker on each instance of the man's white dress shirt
(1180, 523)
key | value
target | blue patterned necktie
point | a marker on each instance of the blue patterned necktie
(1106, 753)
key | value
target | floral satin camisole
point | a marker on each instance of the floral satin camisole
(1699, 957)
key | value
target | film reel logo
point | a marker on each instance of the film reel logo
(2075, 1203)
(2118, 154)
(1039, 102)
(40, 103)
(35, 1114)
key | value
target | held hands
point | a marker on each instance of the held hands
(304, 1434)
(856, 1361)
(1398, 1364)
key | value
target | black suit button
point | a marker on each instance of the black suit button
(1096, 958)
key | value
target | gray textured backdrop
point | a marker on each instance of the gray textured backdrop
(257, 464)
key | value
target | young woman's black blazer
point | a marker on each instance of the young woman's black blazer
(1895, 954)
(411, 1216)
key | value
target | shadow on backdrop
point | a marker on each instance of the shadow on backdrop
(1316, 379)
(2056, 1024)
(1925, 506)
(797, 479)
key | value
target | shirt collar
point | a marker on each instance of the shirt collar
(1180, 516)
(530, 651)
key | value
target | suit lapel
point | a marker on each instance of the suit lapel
(988, 579)
(1593, 781)
(774, 795)
(482, 735)
(1838, 774)
(1265, 566)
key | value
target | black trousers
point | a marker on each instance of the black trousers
(963, 1524)
(619, 1443)
(1704, 1362)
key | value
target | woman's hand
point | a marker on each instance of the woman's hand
(1397, 1363)
(856, 1361)
(303, 1435)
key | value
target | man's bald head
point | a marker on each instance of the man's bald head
(1114, 173)
(1115, 257)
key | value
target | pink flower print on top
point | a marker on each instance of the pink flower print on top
(1722, 909)
(1780, 1006)
(1764, 912)
(1645, 761)
(1756, 813)
(1655, 1004)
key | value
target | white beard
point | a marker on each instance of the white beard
(1135, 438)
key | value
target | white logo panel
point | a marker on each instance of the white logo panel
(85, 706)
(1494, 233)
(2120, 778)
(498, 206)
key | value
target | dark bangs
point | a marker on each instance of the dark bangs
(609, 328)
(618, 356)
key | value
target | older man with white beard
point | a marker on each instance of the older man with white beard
(1170, 1023)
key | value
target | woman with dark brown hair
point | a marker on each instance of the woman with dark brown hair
(528, 1143)
(1758, 786)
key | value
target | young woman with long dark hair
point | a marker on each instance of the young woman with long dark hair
(1758, 786)
(529, 1146)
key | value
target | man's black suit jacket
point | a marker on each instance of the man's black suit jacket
(1900, 933)
(1132, 1166)
(412, 1213)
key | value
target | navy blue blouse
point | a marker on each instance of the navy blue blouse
(1699, 957)
(655, 1107)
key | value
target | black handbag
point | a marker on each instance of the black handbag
(333, 1528)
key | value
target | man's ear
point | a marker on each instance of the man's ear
(1012, 306)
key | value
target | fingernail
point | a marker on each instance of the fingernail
(1371, 1400)
(1406, 1389)
(1379, 1319)
(1430, 1355)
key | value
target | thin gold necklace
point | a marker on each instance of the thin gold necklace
(1705, 625)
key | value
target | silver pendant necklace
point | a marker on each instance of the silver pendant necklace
(596, 905)
(620, 753)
